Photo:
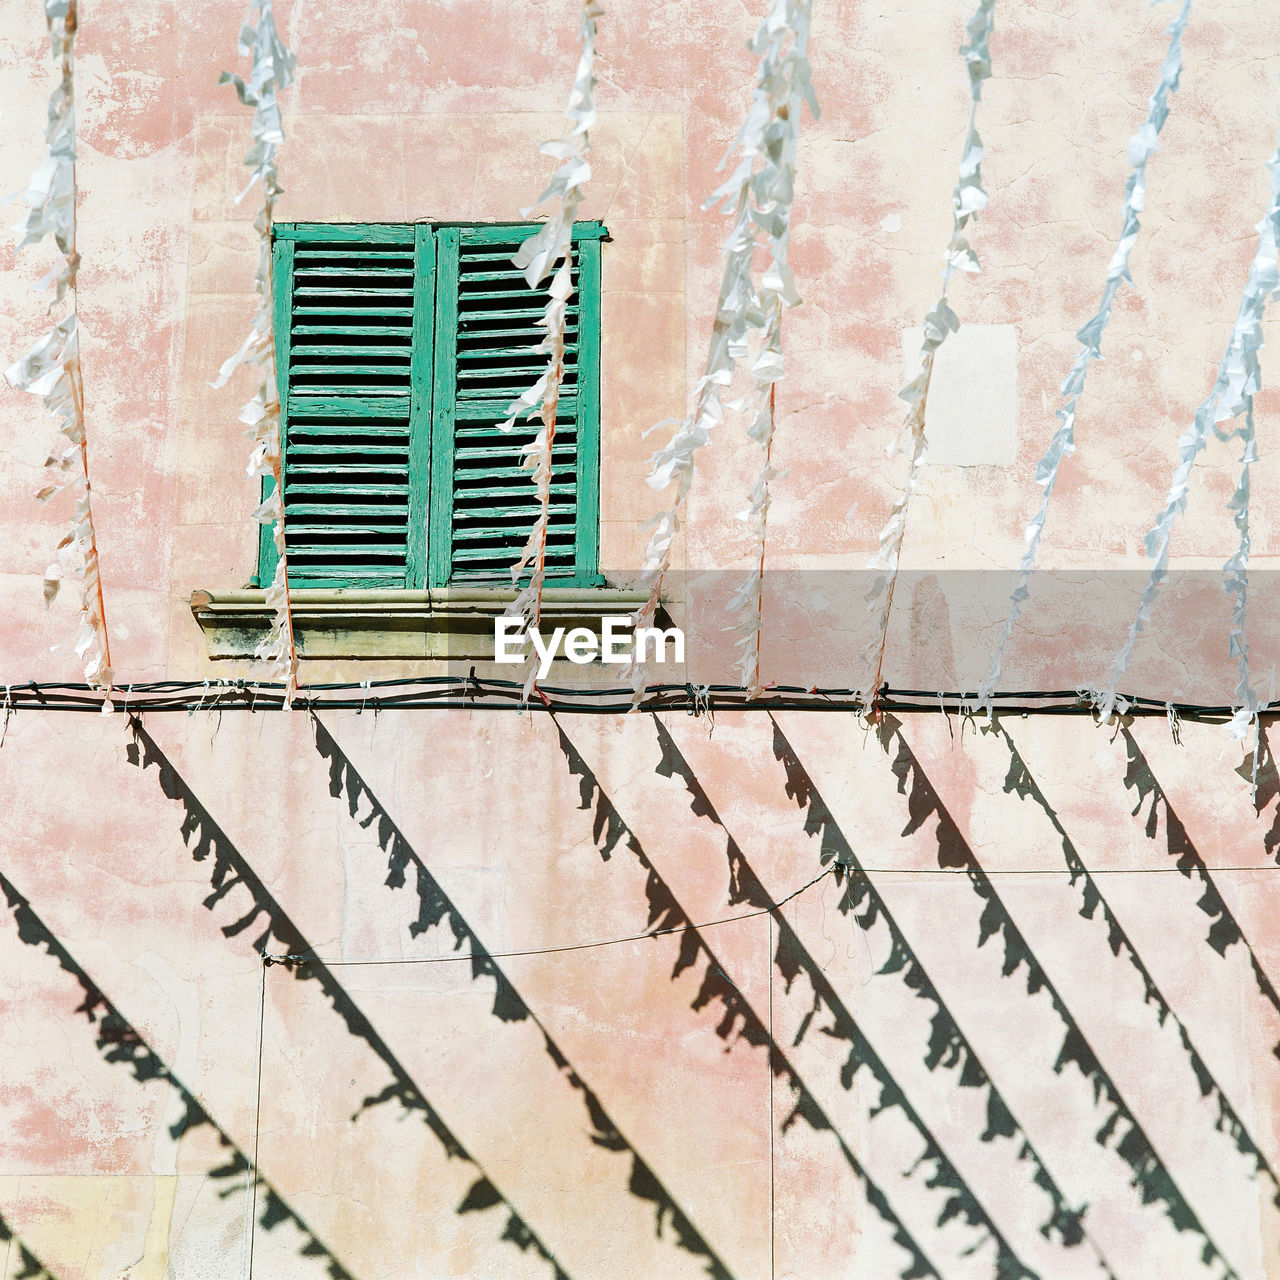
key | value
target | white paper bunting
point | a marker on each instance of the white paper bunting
(1239, 378)
(1236, 583)
(967, 200)
(51, 369)
(783, 87)
(1142, 147)
(759, 193)
(271, 71)
(549, 254)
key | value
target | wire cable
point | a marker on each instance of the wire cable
(303, 958)
(483, 693)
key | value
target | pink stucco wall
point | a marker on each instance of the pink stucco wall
(977, 1042)
(1027, 1027)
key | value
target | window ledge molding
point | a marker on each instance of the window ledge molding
(444, 623)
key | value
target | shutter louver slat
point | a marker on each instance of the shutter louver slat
(346, 475)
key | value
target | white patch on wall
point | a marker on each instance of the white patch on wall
(971, 418)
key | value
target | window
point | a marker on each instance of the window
(399, 349)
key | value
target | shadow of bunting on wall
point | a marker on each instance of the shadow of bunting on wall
(948, 1048)
(1132, 1144)
(229, 870)
(1224, 932)
(1018, 781)
(1259, 770)
(29, 1266)
(740, 1021)
(435, 907)
(119, 1042)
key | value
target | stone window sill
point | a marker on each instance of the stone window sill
(448, 623)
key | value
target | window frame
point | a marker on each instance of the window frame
(432, 416)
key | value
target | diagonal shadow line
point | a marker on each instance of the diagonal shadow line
(948, 1046)
(1020, 782)
(32, 1267)
(1135, 1148)
(436, 907)
(1225, 931)
(229, 870)
(119, 1041)
(740, 1019)
(1259, 770)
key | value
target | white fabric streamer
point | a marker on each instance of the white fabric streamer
(782, 88)
(1142, 146)
(759, 193)
(271, 71)
(1239, 377)
(968, 199)
(549, 253)
(51, 369)
(1236, 584)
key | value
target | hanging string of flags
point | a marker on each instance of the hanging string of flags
(759, 192)
(1246, 373)
(1142, 146)
(1236, 582)
(1239, 377)
(51, 369)
(548, 255)
(271, 71)
(967, 200)
(770, 136)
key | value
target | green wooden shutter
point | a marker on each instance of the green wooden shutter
(348, 396)
(399, 349)
(483, 503)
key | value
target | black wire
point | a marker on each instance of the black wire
(476, 693)
(987, 872)
(301, 958)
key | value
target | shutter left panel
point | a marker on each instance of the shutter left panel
(347, 419)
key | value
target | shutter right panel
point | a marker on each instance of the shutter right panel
(346, 463)
(494, 498)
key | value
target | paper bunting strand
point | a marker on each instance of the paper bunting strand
(51, 369)
(1239, 377)
(782, 88)
(1142, 146)
(1236, 584)
(967, 200)
(549, 254)
(271, 71)
(759, 193)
